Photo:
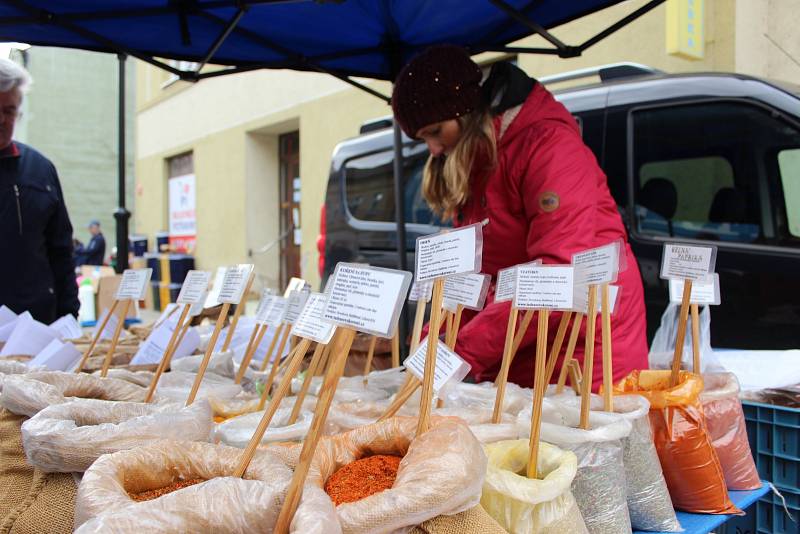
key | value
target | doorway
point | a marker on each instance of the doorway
(290, 231)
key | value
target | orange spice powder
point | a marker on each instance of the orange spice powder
(362, 478)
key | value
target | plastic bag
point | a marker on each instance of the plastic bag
(527, 506)
(352, 388)
(691, 468)
(177, 385)
(222, 504)
(221, 364)
(69, 437)
(441, 472)
(601, 474)
(238, 431)
(140, 378)
(663, 348)
(728, 431)
(484, 395)
(30, 393)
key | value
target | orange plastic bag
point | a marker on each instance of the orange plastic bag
(728, 432)
(691, 467)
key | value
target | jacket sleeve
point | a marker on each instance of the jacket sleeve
(59, 251)
(557, 167)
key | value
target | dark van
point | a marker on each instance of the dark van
(697, 158)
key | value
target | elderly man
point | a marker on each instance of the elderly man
(36, 267)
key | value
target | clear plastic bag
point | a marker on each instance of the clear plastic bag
(176, 385)
(484, 395)
(526, 506)
(442, 472)
(662, 349)
(220, 363)
(69, 437)
(28, 394)
(238, 431)
(728, 431)
(140, 378)
(221, 504)
(380, 385)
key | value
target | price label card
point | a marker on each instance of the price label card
(688, 262)
(421, 291)
(277, 311)
(294, 305)
(598, 265)
(581, 299)
(544, 286)
(295, 284)
(212, 298)
(449, 252)
(197, 308)
(469, 290)
(368, 299)
(153, 348)
(311, 324)
(703, 292)
(234, 283)
(133, 285)
(449, 365)
(264, 306)
(194, 287)
(507, 282)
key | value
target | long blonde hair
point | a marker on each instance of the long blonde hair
(446, 179)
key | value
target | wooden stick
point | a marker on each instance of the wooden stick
(207, 356)
(268, 355)
(575, 376)
(695, 338)
(370, 353)
(396, 349)
(274, 403)
(588, 358)
(162, 321)
(401, 397)
(252, 346)
(275, 364)
(456, 326)
(237, 313)
(322, 368)
(557, 343)
(449, 331)
(430, 360)
(186, 326)
(419, 319)
(573, 341)
(97, 335)
(681, 336)
(171, 346)
(538, 393)
(117, 331)
(502, 377)
(312, 368)
(268, 387)
(608, 365)
(339, 355)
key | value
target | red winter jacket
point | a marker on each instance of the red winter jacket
(546, 198)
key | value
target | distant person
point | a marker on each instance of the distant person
(95, 251)
(37, 273)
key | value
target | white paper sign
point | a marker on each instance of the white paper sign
(6, 315)
(194, 287)
(234, 283)
(264, 306)
(507, 282)
(295, 284)
(276, 312)
(449, 365)
(368, 299)
(421, 291)
(7, 329)
(153, 348)
(703, 292)
(581, 299)
(449, 252)
(311, 324)
(57, 356)
(111, 325)
(212, 299)
(544, 286)
(197, 308)
(469, 290)
(688, 262)
(168, 312)
(28, 338)
(133, 285)
(598, 265)
(294, 306)
(67, 327)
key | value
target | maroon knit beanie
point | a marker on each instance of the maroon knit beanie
(439, 84)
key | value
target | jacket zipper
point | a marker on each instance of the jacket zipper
(19, 208)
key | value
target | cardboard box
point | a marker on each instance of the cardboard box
(105, 282)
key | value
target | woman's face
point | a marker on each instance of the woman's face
(441, 137)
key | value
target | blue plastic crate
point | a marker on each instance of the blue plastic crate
(774, 434)
(767, 516)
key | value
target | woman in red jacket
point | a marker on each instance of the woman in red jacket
(507, 151)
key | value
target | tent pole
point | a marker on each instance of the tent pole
(400, 218)
(122, 215)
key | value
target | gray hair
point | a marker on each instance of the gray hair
(12, 76)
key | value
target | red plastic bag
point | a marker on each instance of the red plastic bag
(690, 464)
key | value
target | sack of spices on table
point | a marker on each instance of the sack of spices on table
(691, 467)
(482, 396)
(238, 431)
(531, 506)
(140, 378)
(28, 394)
(69, 437)
(178, 486)
(599, 485)
(176, 386)
(728, 431)
(439, 472)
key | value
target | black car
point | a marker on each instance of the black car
(689, 157)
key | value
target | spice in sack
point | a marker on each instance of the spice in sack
(362, 478)
(149, 495)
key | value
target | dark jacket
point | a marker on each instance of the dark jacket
(36, 266)
(93, 253)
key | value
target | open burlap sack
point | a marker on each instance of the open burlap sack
(30, 393)
(441, 472)
(472, 521)
(69, 437)
(221, 504)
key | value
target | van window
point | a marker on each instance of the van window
(789, 165)
(703, 171)
(370, 189)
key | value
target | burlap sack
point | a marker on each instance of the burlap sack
(221, 504)
(472, 521)
(30, 393)
(31, 501)
(441, 473)
(69, 437)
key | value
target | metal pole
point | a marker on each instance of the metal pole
(122, 215)
(400, 218)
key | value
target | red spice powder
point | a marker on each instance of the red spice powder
(158, 492)
(362, 478)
